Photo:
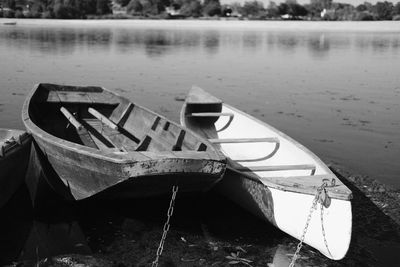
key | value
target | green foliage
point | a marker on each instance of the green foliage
(292, 8)
(396, 9)
(10, 4)
(122, 2)
(253, 9)
(361, 8)
(364, 16)
(65, 12)
(8, 14)
(211, 8)
(134, 7)
(384, 10)
(103, 7)
(71, 9)
(191, 8)
(49, 14)
(272, 10)
(319, 5)
(297, 10)
(89, 7)
(345, 12)
(18, 14)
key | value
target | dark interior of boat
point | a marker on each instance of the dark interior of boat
(94, 117)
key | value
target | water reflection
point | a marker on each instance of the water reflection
(288, 43)
(319, 45)
(160, 42)
(252, 41)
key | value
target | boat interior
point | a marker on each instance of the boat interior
(97, 118)
(262, 149)
(253, 147)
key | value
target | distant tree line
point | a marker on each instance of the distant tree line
(290, 9)
(62, 9)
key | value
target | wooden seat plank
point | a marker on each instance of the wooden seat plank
(74, 97)
(82, 131)
(80, 97)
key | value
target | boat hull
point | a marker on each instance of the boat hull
(288, 211)
(273, 176)
(89, 140)
(13, 163)
(76, 175)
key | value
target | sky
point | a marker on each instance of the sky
(353, 2)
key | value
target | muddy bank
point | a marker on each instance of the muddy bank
(206, 230)
(221, 234)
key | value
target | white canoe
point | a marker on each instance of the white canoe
(272, 175)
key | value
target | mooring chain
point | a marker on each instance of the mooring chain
(320, 197)
(323, 230)
(166, 226)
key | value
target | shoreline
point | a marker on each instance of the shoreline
(328, 26)
(386, 199)
(208, 231)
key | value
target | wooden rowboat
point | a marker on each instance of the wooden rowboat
(14, 158)
(273, 176)
(94, 140)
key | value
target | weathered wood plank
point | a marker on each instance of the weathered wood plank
(114, 137)
(82, 131)
(74, 97)
(55, 96)
(103, 118)
(125, 114)
(179, 141)
(121, 136)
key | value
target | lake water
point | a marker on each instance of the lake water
(334, 87)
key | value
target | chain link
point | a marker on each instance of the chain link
(323, 230)
(317, 199)
(166, 225)
(300, 244)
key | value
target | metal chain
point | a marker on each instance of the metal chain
(313, 207)
(166, 226)
(300, 244)
(323, 230)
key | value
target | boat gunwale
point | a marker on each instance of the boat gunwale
(21, 138)
(115, 157)
(346, 192)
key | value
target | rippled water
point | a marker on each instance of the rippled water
(335, 87)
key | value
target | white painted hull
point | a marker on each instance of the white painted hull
(288, 211)
(283, 197)
(291, 211)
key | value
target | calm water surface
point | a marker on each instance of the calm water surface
(333, 87)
